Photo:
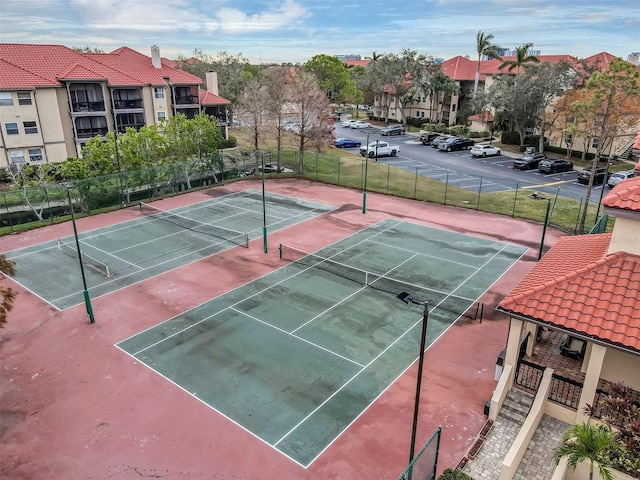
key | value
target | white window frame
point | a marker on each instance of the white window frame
(158, 92)
(16, 154)
(35, 155)
(6, 99)
(24, 98)
(30, 127)
(164, 117)
(11, 131)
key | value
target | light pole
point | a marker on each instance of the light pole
(87, 299)
(407, 298)
(264, 209)
(366, 167)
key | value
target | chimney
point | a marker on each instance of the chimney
(212, 82)
(155, 56)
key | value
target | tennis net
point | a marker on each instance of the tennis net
(455, 304)
(232, 236)
(91, 262)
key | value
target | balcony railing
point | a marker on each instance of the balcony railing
(128, 104)
(187, 100)
(92, 132)
(88, 106)
(564, 391)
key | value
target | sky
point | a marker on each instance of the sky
(276, 31)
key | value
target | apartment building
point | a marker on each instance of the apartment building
(53, 99)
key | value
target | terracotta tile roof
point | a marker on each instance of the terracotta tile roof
(357, 63)
(45, 65)
(578, 287)
(482, 117)
(624, 196)
(460, 68)
(15, 77)
(139, 66)
(208, 98)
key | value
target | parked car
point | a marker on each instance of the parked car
(617, 177)
(360, 124)
(598, 179)
(555, 165)
(438, 140)
(347, 123)
(427, 137)
(347, 143)
(528, 161)
(270, 168)
(393, 130)
(456, 143)
(485, 150)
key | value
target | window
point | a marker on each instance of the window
(594, 142)
(11, 128)
(162, 116)
(453, 107)
(24, 98)
(35, 154)
(30, 127)
(159, 92)
(6, 99)
(16, 156)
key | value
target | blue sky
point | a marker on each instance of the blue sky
(295, 30)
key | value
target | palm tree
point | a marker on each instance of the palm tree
(588, 442)
(486, 48)
(522, 58)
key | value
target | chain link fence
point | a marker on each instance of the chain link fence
(40, 205)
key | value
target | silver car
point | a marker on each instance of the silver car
(617, 177)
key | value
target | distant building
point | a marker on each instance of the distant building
(53, 99)
(634, 58)
(348, 56)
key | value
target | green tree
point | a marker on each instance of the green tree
(592, 443)
(332, 76)
(607, 106)
(484, 47)
(522, 59)
(7, 267)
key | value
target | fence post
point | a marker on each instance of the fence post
(479, 191)
(446, 188)
(339, 165)
(388, 177)
(415, 186)
(6, 204)
(515, 200)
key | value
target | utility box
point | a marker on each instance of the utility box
(529, 150)
(499, 364)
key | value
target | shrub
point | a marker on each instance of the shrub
(450, 474)
(510, 138)
(231, 142)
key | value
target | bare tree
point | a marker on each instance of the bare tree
(311, 107)
(277, 91)
(252, 106)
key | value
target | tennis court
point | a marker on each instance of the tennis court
(295, 356)
(153, 243)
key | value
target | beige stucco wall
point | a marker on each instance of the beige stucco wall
(620, 366)
(625, 235)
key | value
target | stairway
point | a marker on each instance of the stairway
(487, 460)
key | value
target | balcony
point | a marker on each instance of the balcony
(88, 106)
(128, 104)
(91, 132)
(186, 100)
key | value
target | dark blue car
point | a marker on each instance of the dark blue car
(347, 143)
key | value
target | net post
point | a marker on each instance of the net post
(481, 311)
(140, 208)
(280, 250)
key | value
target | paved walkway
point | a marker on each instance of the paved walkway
(537, 462)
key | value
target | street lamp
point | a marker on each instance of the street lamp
(407, 298)
(87, 299)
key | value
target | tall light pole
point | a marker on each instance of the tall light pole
(87, 299)
(366, 167)
(264, 209)
(407, 298)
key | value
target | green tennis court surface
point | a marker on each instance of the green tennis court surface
(156, 242)
(297, 355)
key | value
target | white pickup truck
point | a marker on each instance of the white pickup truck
(379, 149)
